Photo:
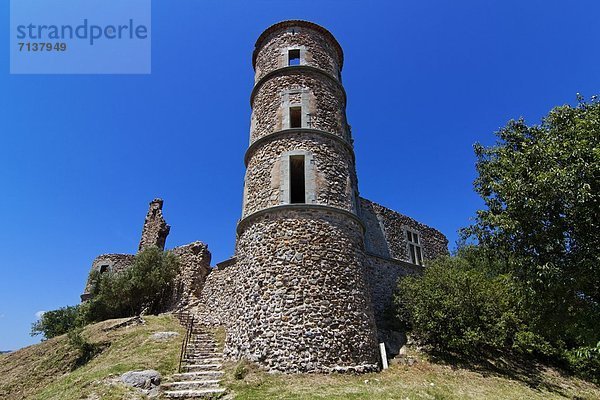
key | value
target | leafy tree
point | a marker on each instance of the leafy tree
(457, 307)
(147, 284)
(541, 188)
(57, 322)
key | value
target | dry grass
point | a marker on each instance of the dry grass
(48, 370)
(424, 380)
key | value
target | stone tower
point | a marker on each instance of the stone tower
(300, 243)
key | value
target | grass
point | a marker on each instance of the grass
(423, 380)
(49, 370)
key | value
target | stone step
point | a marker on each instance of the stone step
(202, 367)
(197, 393)
(202, 356)
(189, 376)
(187, 385)
(203, 360)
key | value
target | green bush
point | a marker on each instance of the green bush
(86, 350)
(147, 284)
(57, 322)
(457, 308)
(585, 362)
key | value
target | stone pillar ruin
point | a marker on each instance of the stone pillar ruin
(155, 230)
(303, 303)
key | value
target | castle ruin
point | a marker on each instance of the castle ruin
(315, 264)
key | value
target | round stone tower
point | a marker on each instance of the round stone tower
(300, 251)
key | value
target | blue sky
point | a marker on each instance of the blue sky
(81, 156)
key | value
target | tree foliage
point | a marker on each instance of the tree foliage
(541, 188)
(147, 284)
(457, 307)
(57, 322)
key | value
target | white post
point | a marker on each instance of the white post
(384, 362)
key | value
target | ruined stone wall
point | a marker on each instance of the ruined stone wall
(194, 263)
(301, 301)
(383, 223)
(325, 99)
(217, 305)
(333, 172)
(318, 49)
(107, 263)
(155, 230)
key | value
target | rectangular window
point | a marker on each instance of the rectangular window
(415, 252)
(295, 117)
(294, 57)
(103, 269)
(297, 180)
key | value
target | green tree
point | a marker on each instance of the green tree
(541, 188)
(458, 307)
(57, 322)
(147, 284)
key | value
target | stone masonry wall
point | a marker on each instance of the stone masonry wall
(319, 52)
(332, 163)
(110, 263)
(382, 222)
(155, 230)
(301, 300)
(326, 106)
(194, 262)
(383, 275)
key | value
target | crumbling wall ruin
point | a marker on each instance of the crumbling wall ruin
(155, 230)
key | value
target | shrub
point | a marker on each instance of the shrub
(57, 322)
(86, 350)
(457, 308)
(585, 362)
(147, 284)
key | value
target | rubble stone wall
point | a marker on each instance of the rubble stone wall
(300, 301)
(383, 223)
(194, 263)
(327, 102)
(155, 230)
(383, 274)
(318, 50)
(107, 263)
(334, 172)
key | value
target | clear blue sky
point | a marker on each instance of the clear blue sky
(81, 156)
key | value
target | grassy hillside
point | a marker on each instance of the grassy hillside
(423, 380)
(49, 370)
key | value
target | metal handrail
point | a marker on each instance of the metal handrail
(186, 340)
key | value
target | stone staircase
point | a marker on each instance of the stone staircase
(201, 368)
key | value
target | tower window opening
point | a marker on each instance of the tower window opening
(103, 269)
(295, 117)
(294, 57)
(297, 180)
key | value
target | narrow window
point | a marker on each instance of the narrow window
(295, 117)
(294, 57)
(415, 252)
(297, 186)
(103, 269)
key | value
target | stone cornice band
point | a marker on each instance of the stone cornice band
(295, 69)
(290, 207)
(289, 132)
